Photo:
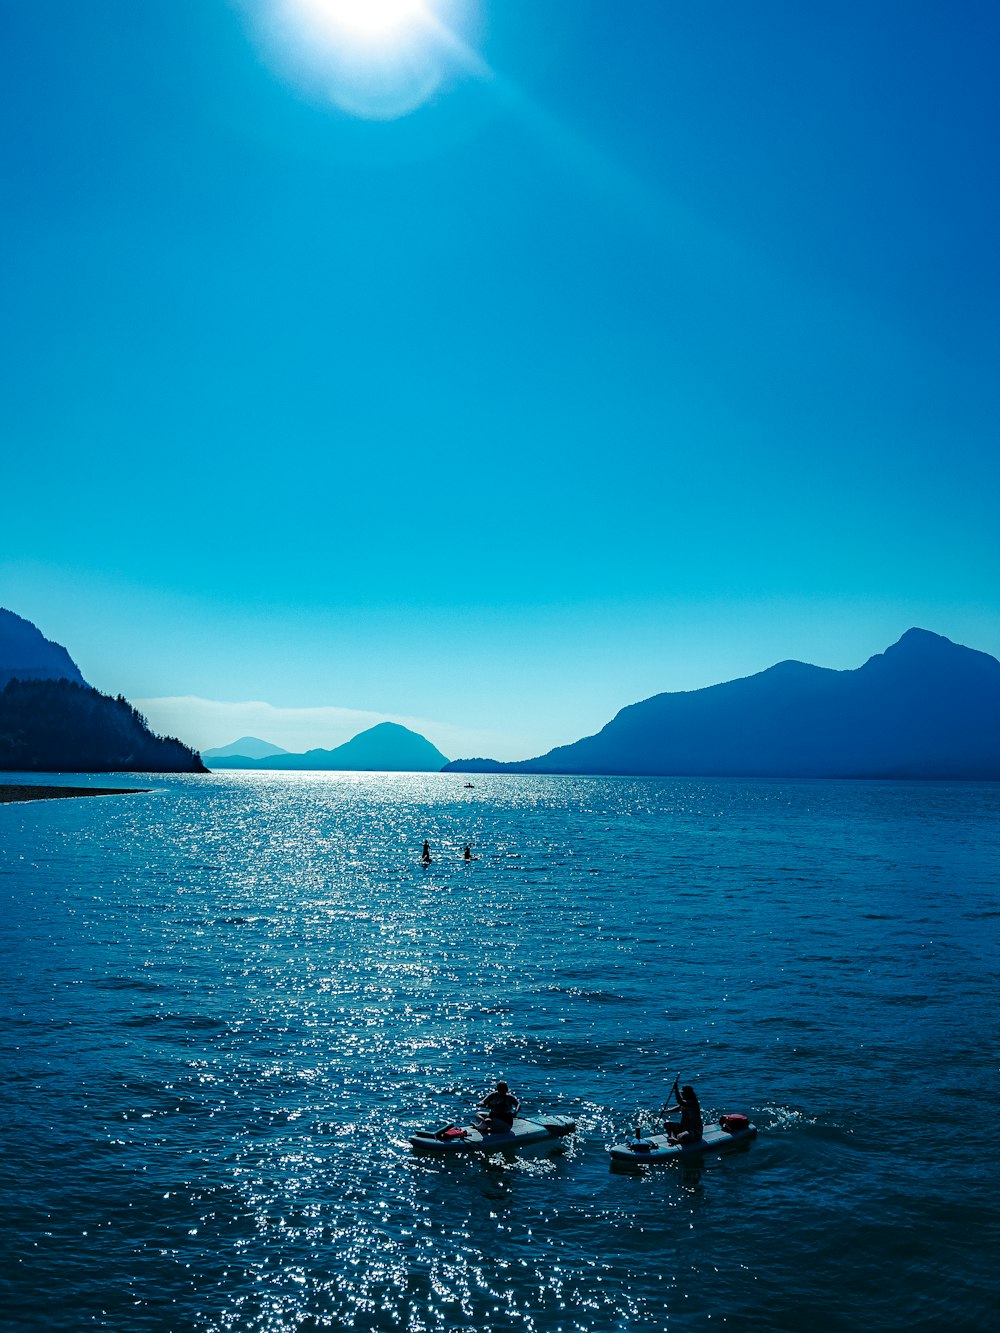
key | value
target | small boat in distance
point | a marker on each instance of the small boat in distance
(449, 1139)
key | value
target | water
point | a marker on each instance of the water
(226, 1004)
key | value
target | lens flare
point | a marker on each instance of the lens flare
(375, 59)
(376, 19)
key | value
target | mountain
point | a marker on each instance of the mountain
(26, 654)
(925, 708)
(58, 726)
(386, 747)
(247, 747)
(52, 721)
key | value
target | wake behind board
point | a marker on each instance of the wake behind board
(658, 1148)
(458, 1139)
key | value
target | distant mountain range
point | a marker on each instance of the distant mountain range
(51, 720)
(925, 708)
(387, 747)
(247, 747)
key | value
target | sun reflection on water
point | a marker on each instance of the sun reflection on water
(235, 1003)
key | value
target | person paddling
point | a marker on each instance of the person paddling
(689, 1128)
(425, 856)
(501, 1107)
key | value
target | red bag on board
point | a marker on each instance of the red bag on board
(733, 1123)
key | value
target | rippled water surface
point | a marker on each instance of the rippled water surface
(228, 1003)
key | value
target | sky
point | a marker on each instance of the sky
(492, 370)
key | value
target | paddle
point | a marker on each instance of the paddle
(530, 1121)
(518, 1115)
(674, 1092)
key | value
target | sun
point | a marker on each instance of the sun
(375, 59)
(369, 19)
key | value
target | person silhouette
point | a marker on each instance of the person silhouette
(467, 854)
(689, 1128)
(425, 855)
(498, 1110)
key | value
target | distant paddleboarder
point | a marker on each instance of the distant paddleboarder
(467, 854)
(425, 856)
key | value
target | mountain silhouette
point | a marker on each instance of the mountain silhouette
(26, 654)
(57, 726)
(387, 747)
(247, 747)
(925, 708)
(52, 721)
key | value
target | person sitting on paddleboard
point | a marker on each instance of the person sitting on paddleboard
(689, 1129)
(501, 1107)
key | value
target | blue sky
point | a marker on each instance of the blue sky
(658, 345)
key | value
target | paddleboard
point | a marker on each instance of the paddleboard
(658, 1148)
(467, 1138)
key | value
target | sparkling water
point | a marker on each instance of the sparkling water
(228, 1003)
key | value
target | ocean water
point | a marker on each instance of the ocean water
(226, 1004)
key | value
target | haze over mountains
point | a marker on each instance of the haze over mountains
(387, 747)
(925, 708)
(247, 747)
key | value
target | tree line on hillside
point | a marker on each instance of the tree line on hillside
(59, 726)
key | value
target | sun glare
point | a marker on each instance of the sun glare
(372, 19)
(377, 59)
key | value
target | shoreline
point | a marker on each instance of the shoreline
(10, 793)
